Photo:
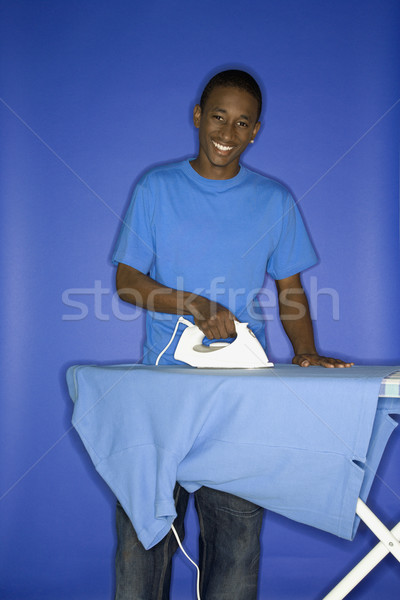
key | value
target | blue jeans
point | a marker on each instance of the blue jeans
(229, 550)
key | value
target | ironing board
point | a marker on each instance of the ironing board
(254, 414)
(389, 540)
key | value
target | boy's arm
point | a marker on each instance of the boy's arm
(134, 287)
(295, 316)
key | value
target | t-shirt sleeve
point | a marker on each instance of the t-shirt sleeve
(135, 245)
(293, 252)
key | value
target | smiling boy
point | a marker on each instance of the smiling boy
(198, 239)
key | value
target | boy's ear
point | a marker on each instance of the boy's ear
(255, 130)
(197, 115)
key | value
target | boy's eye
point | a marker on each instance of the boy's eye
(242, 124)
(218, 117)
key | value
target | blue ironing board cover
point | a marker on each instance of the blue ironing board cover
(303, 442)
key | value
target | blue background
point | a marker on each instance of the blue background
(92, 94)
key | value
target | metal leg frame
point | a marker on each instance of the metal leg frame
(389, 542)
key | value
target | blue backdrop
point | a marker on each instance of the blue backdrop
(92, 94)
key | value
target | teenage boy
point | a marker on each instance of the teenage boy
(197, 240)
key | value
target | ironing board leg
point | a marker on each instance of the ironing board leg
(390, 542)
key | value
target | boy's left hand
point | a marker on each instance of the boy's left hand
(308, 360)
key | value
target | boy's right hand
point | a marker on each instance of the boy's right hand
(214, 320)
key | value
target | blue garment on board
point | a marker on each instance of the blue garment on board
(215, 238)
(304, 443)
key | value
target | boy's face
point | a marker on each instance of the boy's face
(226, 126)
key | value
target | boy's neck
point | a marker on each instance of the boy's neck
(210, 171)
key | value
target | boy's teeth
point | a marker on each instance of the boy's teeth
(221, 147)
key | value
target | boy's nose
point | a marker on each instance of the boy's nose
(227, 132)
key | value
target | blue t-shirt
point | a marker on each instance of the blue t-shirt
(215, 238)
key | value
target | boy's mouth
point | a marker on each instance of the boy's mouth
(222, 147)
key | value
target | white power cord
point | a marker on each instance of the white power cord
(192, 561)
(179, 321)
(186, 322)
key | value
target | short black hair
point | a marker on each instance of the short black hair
(233, 78)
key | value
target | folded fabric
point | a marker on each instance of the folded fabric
(304, 443)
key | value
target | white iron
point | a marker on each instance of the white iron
(245, 352)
